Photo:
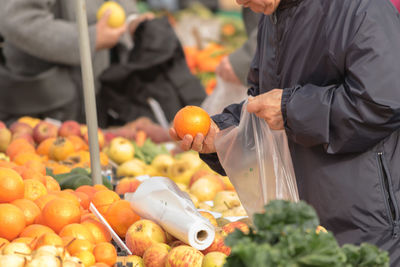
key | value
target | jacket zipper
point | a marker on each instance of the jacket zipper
(390, 200)
(275, 22)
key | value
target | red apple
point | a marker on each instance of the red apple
(218, 245)
(184, 256)
(22, 135)
(143, 234)
(197, 175)
(5, 139)
(156, 255)
(207, 187)
(209, 217)
(230, 228)
(2, 125)
(44, 130)
(68, 128)
(177, 243)
(20, 127)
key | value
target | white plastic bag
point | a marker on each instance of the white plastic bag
(224, 94)
(257, 160)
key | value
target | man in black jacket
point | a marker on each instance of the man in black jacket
(328, 73)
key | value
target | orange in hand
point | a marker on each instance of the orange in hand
(192, 120)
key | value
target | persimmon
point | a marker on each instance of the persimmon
(192, 120)
(44, 147)
(61, 148)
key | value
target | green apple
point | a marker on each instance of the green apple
(214, 259)
(132, 168)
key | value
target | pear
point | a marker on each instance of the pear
(161, 164)
(192, 159)
(16, 248)
(235, 212)
(12, 260)
(204, 206)
(226, 198)
(132, 168)
(45, 261)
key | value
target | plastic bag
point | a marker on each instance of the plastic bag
(257, 160)
(224, 94)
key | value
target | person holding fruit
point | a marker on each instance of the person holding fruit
(41, 74)
(327, 72)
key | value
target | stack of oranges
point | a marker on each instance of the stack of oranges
(34, 210)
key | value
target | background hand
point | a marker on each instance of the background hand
(106, 36)
(267, 106)
(200, 143)
(225, 71)
(135, 22)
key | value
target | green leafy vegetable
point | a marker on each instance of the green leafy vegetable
(149, 151)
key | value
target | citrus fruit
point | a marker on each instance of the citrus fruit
(106, 253)
(29, 208)
(78, 245)
(12, 221)
(60, 212)
(117, 17)
(121, 216)
(44, 147)
(33, 189)
(35, 230)
(49, 239)
(11, 185)
(78, 231)
(86, 257)
(103, 199)
(192, 120)
(98, 231)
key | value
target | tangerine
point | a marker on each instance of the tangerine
(78, 231)
(18, 146)
(29, 208)
(103, 199)
(34, 189)
(106, 253)
(51, 184)
(43, 200)
(78, 245)
(25, 156)
(49, 239)
(120, 216)
(36, 166)
(98, 231)
(191, 120)
(35, 230)
(86, 257)
(11, 185)
(12, 221)
(60, 212)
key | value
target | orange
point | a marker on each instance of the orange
(35, 230)
(100, 187)
(7, 164)
(79, 143)
(88, 216)
(98, 231)
(18, 146)
(106, 253)
(120, 216)
(11, 185)
(86, 257)
(49, 239)
(78, 245)
(100, 264)
(24, 157)
(29, 208)
(192, 120)
(12, 221)
(34, 189)
(30, 174)
(51, 184)
(103, 200)
(44, 147)
(43, 200)
(60, 212)
(30, 241)
(83, 199)
(78, 231)
(61, 149)
(65, 194)
(36, 166)
(67, 240)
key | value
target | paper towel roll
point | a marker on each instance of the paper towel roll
(159, 199)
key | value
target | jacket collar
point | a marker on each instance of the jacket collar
(284, 4)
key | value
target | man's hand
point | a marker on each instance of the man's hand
(200, 143)
(225, 71)
(106, 36)
(135, 22)
(267, 106)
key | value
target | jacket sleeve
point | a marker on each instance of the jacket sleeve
(230, 116)
(355, 115)
(30, 25)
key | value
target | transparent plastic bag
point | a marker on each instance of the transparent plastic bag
(257, 160)
(224, 94)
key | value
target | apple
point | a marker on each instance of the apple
(143, 234)
(235, 212)
(209, 217)
(18, 127)
(180, 172)
(226, 200)
(207, 187)
(44, 130)
(177, 243)
(22, 135)
(192, 159)
(156, 255)
(218, 245)
(100, 137)
(230, 228)
(121, 150)
(5, 139)
(2, 125)
(134, 261)
(214, 259)
(197, 175)
(182, 256)
(68, 128)
(127, 185)
(132, 168)
(161, 163)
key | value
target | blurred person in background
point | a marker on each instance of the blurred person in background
(41, 75)
(396, 3)
(327, 72)
(235, 67)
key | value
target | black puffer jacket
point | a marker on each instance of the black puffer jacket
(338, 62)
